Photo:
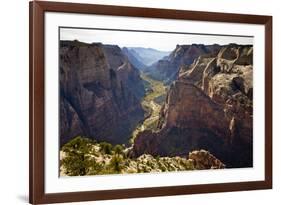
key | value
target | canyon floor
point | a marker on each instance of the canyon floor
(152, 102)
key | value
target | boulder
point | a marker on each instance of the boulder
(203, 159)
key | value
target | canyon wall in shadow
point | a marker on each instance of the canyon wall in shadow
(100, 92)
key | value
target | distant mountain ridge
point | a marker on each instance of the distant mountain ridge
(147, 56)
(134, 58)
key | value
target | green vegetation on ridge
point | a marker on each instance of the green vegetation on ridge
(82, 156)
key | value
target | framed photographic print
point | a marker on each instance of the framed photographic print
(139, 102)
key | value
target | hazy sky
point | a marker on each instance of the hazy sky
(159, 41)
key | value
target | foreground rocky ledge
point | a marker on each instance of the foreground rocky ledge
(82, 156)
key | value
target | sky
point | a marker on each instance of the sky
(159, 41)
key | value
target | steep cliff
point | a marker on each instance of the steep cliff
(167, 68)
(100, 92)
(209, 106)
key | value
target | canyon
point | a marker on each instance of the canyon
(100, 92)
(209, 106)
(196, 97)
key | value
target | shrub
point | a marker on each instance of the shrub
(115, 164)
(77, 160)
(106, 148)
(78, 143)
(118, 149)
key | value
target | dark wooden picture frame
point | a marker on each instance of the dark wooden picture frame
(37, 95)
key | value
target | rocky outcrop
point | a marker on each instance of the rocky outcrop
(167, 69)
(100, 92)
(203, 159)
(183, 111)
(103, 158)
(209, 107)
(190, 123)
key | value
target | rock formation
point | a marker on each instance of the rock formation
(167, 68)
(209, 106)
(100, 92)
(103, 158)
(203, 159)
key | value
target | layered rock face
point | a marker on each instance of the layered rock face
(167, 68)
(100, 92)
(208, 107)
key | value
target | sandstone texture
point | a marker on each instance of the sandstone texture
(100, 92)
(167, 69)
(209, 106)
